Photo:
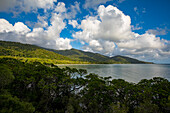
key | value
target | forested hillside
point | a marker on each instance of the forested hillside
(31, 53)
(84, 56)
(27, 52)
(98, 58)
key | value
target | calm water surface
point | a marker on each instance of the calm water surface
(128, 72)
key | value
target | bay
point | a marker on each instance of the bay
(129, 72)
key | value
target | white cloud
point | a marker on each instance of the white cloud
(37, 32)
(60, 7)
(90, 27)
(100, 46)
(5, 26)
(113, 25)
(136, 27)
(41, 35)
(29, 5)
(21, 28)
(70, 12)
(143, 42)
(50, 37)
(42, 22)
(73, 23)
(6, 5)
(57, 25)
(110, 33)
(63, 43)
(94, 3)
(18, 28)
(73, 10)
(157, 31)
(17, 6)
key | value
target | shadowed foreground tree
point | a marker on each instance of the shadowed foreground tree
(6, 76)
(39, 88)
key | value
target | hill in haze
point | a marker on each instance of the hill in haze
(34, 53)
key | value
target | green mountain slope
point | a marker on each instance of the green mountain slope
(83, 56)
(27, 52)
(32, 53)
(97, 58)
(124, 59)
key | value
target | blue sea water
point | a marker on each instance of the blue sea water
(129, 72)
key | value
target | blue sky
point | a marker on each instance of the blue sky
(135, 28)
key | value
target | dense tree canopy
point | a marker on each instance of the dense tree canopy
(39, 88)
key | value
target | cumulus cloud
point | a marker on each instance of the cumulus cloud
(29, 5)
(110, 25)
(115, 25)
(100, 46)
(73, 10)
(17, 6)
(5, 26)
(157, 31)
(136, 27)
(6, 5)
(18, 28)
(110, 33)
(42, 22)
(50, 37)
(21, 28)
(73, 23)
(60, 7)
(42, 34)
(94, 3)
(69, 12)
(143, 42)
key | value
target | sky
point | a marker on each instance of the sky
(135, 28)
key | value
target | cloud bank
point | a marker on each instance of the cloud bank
(110, 33)
(17, 6)
(42, 34)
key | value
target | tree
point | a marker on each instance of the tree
(10, 104)
(6, 75)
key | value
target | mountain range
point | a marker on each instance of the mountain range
(27, 52)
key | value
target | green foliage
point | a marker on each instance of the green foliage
(9, 104)
(147, 107)
(6, 75)
(46, 88)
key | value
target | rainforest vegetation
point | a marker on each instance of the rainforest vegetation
(45, 88)
(32, 53)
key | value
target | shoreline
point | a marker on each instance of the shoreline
(94, 64)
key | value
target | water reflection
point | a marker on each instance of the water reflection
(129, 72)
